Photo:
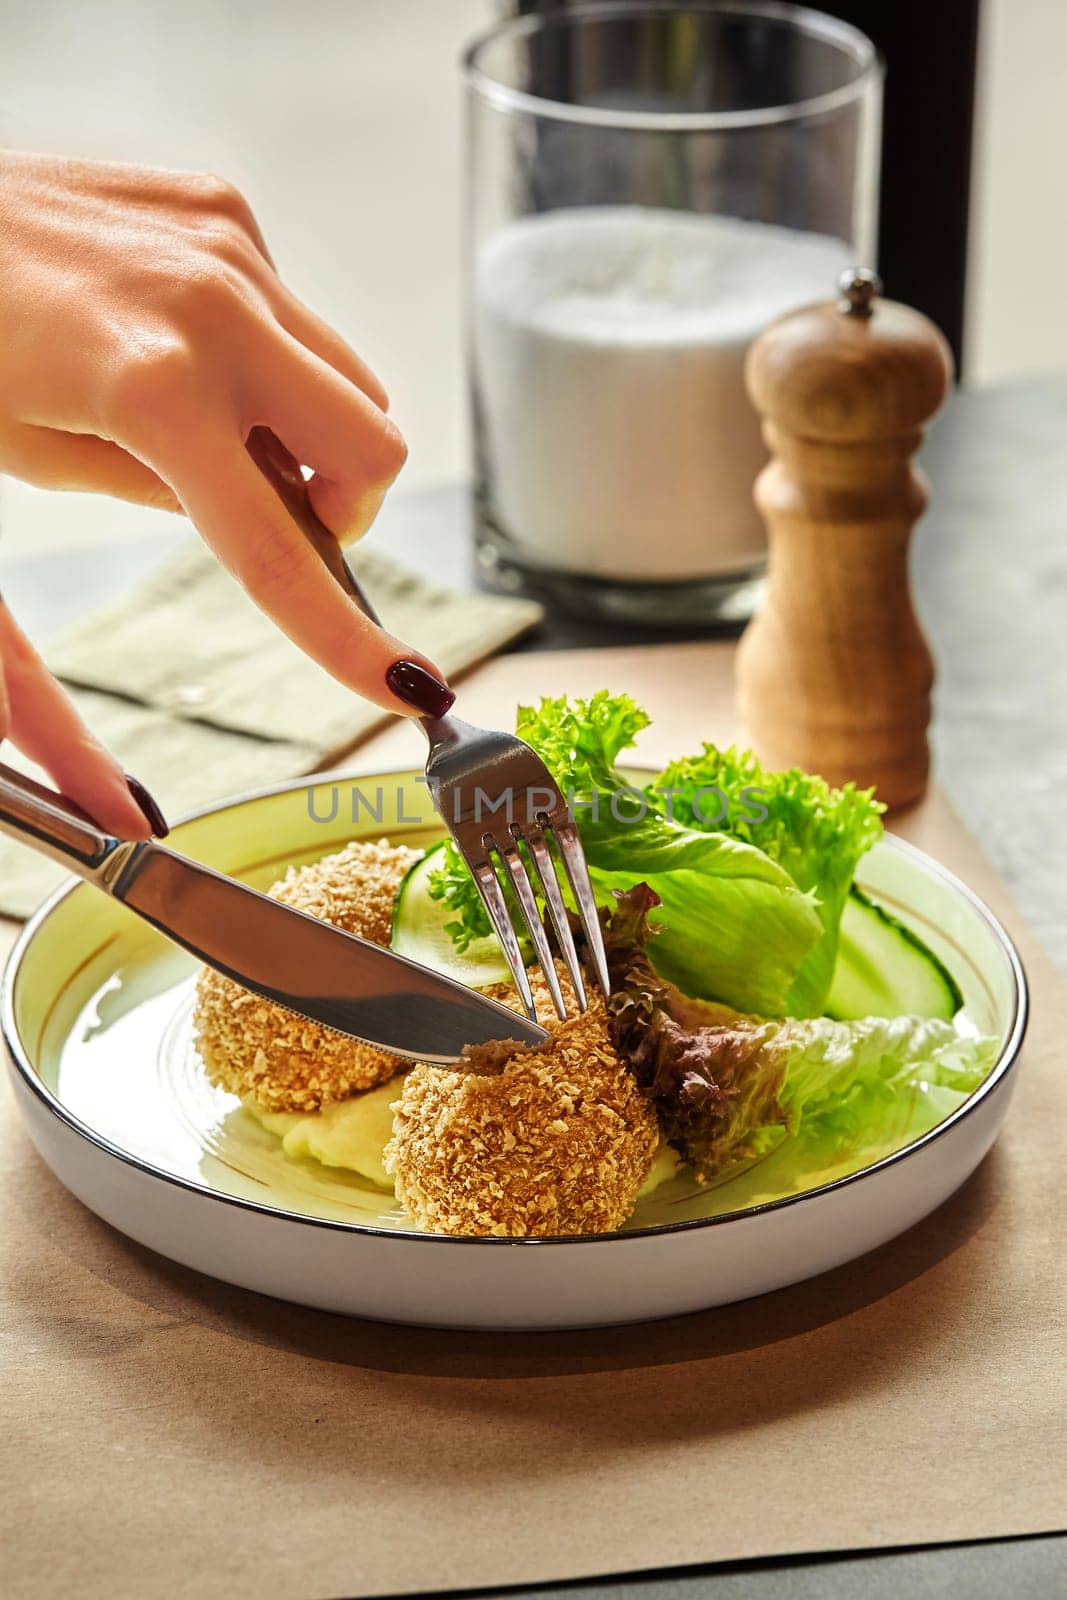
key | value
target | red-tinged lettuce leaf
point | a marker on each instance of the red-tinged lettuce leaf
(713, 1075)
(727, 1086)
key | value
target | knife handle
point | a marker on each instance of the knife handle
(52, 824)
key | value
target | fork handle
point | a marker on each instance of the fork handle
(285, 477)
(287, 481)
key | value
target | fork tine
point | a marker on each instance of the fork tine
(574, 860)
(545, 868)
(493, 901)
(520, 882)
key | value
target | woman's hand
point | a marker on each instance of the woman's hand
(37, 714)
(144, 333)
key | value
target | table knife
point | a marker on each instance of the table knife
(293, 959)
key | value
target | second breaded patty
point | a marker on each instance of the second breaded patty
(283, 1062)
(541, 1142)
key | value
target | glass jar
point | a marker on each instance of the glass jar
(648, 186)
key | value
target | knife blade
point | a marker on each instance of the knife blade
(307, 966)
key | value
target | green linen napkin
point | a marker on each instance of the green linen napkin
(200, 695)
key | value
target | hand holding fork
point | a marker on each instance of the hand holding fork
(493, 792)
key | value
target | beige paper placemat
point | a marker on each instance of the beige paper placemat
(200, 695)
(167, 1436)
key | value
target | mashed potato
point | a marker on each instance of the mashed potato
(350, 1133)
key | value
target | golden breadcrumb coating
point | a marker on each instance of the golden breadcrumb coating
(257, 1050)
(353, 889)
(550, 1141)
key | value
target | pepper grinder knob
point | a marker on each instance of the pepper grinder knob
(834, 674)
(857, 290)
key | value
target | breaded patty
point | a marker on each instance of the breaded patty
(551, 1141)
(254, 1048)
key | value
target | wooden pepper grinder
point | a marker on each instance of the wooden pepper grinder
(834, 674)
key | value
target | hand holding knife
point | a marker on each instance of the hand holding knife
(288, 957)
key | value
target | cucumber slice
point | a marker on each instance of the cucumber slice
(885, 970)
(419, 931)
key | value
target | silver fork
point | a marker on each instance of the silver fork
(491, 790)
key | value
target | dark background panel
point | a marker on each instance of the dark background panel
(930, 49)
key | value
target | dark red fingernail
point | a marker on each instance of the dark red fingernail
(419, 688)
(152, 814)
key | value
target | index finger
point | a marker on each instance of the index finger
(241, 517)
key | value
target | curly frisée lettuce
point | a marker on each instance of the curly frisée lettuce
(749, 903)
(728, 1087)
(733, 924)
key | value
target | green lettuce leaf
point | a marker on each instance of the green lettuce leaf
(728, 1087)
(816, 833)
(733, 924)
(580, 741)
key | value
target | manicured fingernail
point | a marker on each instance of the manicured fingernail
(419, 688)
(152, 814)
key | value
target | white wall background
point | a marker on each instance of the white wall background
(1017, 311)
(341, 119)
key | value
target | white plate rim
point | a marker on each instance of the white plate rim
(21, 1065)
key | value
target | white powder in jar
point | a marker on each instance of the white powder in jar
(609, 351)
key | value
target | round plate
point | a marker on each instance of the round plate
(96, 1019)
